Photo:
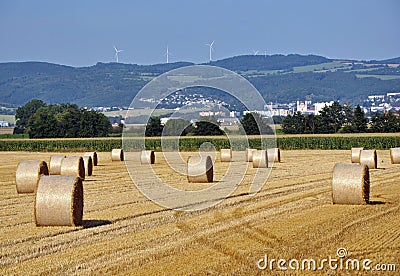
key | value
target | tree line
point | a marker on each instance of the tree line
(253, 124)
(340, 118)
(64, 120)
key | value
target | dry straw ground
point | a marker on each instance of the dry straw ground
(125, 233)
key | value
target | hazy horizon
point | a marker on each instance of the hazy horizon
(177, 61)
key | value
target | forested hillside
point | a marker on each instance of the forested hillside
(279, 78)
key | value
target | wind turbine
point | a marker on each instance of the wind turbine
(211, 49)
(265, 54)
(255, 52)
(116, 53)
(167, 54)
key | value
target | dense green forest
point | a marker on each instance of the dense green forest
(64, 120)
(279, 78)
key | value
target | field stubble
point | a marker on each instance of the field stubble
(124, 232)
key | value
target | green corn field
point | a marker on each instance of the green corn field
(194, 143)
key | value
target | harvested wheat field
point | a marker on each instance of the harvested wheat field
(123, 232)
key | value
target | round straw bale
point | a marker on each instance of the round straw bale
(355, 155)
(260, 159)
(73, 166)
(28, 175)
(395, 155)
(59, 201)
(55, 164)
(249, 155)
(117, 155)
(92, 154)
(200, 169)
(87, 161)
(226, 155)
(274, 155)
(350, 184)
(368, 158)
(147, 157)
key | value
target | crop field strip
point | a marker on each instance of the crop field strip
(286, 142)
(292, 216)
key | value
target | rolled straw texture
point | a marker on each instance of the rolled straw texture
(369, 158)
(260, 159)
(87, 161)
(274, 155)
(73, 166)
(226, 155)
(92, 154)
(350, 184)
(28, 175)
(355, 155)
(117, 155)
(147, 157)
(395, 155)
(200, 169)
(55, 164)
(59, 201)
(249, 154)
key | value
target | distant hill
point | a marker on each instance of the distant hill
(274, 62)
(279, 78)
(12, 70)
(387, 61)
(98, 85)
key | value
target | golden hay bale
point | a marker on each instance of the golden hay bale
(73, 166)
(355, 155)
(117, 155)
(368, 158)
(92, 154)
(274, 155)
(200, 169)
(350, 184)
(87, 161)
(395, 155)
(59, 201)
(249, 154)
(55, 164)
(226, 155)
(147, 157)
(260, 159)
(28, 175)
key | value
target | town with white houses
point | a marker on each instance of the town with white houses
(226, 116)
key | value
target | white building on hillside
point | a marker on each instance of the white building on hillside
(302, 107)
(320, 106)
(4, 124)
(263, 113)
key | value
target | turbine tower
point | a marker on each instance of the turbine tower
(116, 53)
(167, 54)
(211, 49)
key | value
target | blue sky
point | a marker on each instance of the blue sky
(81, 33)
